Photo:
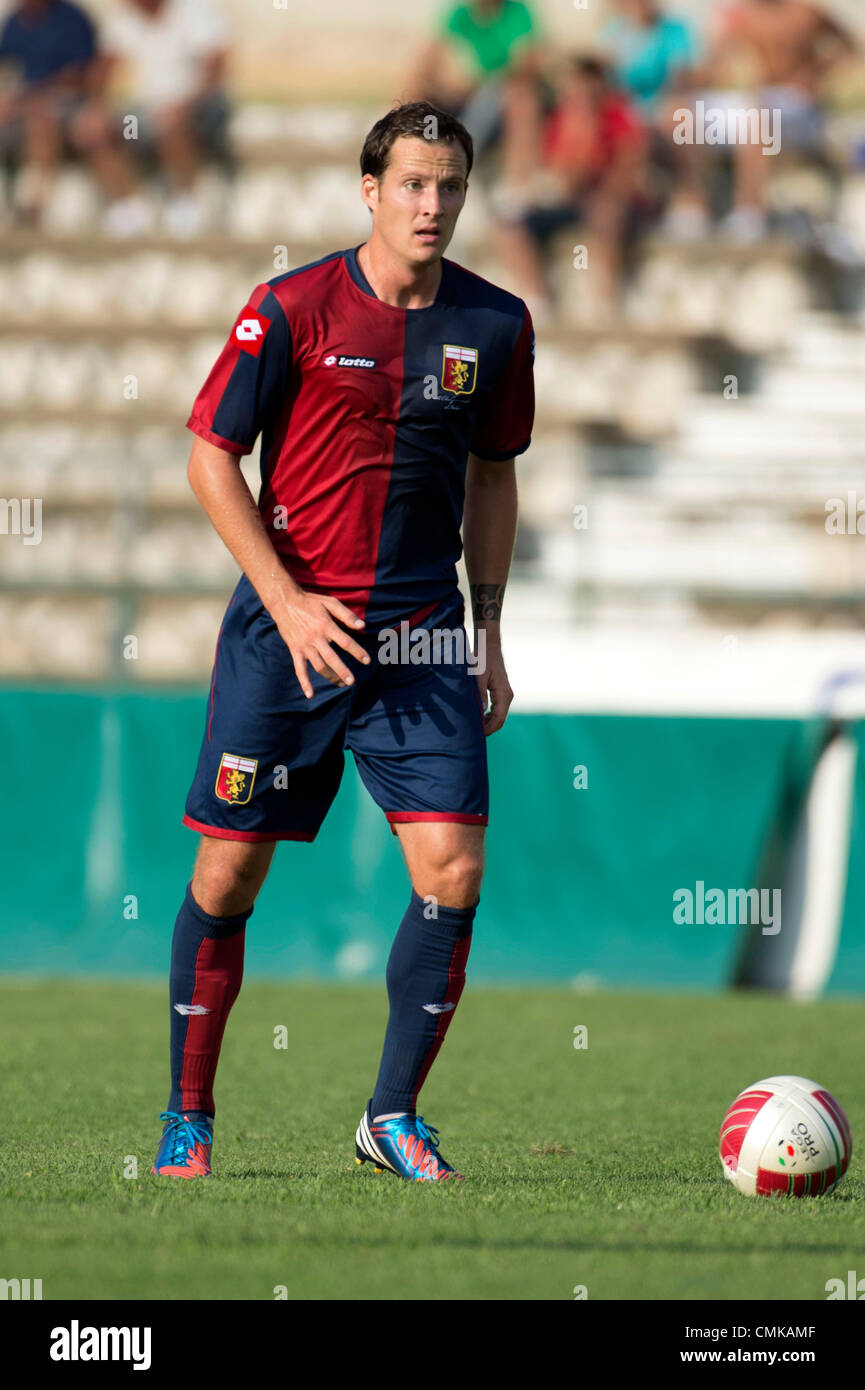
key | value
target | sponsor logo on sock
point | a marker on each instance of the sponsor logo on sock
(192, 1009)
(438, 1008)
(76, 1343)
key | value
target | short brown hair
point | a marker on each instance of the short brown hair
(415, 119)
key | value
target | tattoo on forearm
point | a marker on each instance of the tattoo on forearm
(487, 602)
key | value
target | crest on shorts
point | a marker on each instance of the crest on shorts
(459, 369)
(235, 778)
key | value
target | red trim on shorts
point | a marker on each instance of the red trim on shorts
(396, 818)
(253, 837)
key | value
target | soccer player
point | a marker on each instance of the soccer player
(392, 390)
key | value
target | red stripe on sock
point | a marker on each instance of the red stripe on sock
(453, 993)
(218, 975)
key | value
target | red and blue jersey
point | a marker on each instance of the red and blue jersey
(367, 413)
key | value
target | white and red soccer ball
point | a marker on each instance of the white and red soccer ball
(785, 1135)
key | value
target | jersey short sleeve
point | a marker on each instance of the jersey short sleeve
(505, 429)
(247, 385)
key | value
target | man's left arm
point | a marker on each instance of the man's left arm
(502, 432)
(489, 529)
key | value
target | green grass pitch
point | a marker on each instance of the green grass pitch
(595, 1167)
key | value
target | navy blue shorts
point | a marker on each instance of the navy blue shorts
(271, 760)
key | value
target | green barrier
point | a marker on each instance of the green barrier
(580, 881)
(849, 972)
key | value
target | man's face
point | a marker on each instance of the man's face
(416, 203)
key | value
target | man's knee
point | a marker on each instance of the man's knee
(445, 860)
(228, 875)
(455, 880)
(90, 129)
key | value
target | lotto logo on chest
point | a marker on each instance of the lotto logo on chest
(236, 778)
(340, 360)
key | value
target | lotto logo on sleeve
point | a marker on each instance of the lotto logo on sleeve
(235, 778)
(250, 330)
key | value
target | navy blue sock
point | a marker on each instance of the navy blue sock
(426, 972)
(206, 971)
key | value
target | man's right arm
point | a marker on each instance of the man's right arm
(308, 623)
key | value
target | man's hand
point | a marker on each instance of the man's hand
(308, 624)
(496, 688)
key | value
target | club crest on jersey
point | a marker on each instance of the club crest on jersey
(250, 330)
(235, 778)
(459, 369)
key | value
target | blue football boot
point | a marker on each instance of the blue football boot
(405, 1146)
(184, 1150)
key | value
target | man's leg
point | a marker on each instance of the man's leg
(42, 150)
(426, 969)
(207, 963)
(91, 132)
(177, 145)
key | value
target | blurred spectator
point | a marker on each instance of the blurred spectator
(173, 53)
(593, 160)
(650, 53)
(50, 45)
(653, 57)
(787, 48)
(485, 65)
